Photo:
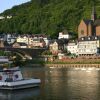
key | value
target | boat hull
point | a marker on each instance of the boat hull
(22, 84)
(19, 87)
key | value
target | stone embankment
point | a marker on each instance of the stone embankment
(73, 65)
(69, 65)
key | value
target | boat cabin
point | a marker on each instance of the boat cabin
(10, 75)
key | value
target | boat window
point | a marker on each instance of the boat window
(8, 80)
(0, 77)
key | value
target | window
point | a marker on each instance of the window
(82, 32)
(82, 38)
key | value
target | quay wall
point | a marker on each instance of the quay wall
(69, 65)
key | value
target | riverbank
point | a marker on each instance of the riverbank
(67, 65)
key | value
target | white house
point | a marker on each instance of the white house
(38, 43)
(72, 47)
(85, 46)
(2, 17)
(9, 38)
(9, 17)
(42, 36)
(61, 55)
(22, 39)
(33, 39)
(47, 41)
(19, 45)
(63, 35)
(88, 45)
(54, 47)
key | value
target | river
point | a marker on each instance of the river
(58, 84)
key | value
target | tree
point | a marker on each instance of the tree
(47, 16)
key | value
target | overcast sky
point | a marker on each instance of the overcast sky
(7, 4)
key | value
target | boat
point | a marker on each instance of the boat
(12, 79)
(4, 59)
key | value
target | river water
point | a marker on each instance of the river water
(59, 84)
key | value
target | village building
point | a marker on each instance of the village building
(23, 39)
(42, 36)
(61, 56)
(2, 17)
(36, 40)
(72, 47)
(89, 27)
(1, 43)
(38, 43)
(19, 45)
(53, 47)
(86, 46)
(89, 35)
(57, 46)
(9, 17)
(64, 35)
(9, 38)
(89, 45)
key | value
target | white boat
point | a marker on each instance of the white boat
(12, 79)
(4, 59)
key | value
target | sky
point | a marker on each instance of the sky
(7, 4)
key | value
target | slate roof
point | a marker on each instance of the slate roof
(89, 38)
(22, 44)
(87, 21)
(65, 31)
(97, 22)
(60, 41)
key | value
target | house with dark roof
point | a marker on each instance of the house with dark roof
(19, 45)
(57, 46)
(89, 45)
(64, 35)
(89, 27)
(72, 47)
(97, 27)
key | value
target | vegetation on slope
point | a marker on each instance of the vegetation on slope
(47, 16)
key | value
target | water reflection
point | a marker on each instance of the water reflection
(83, 85)
(66, 84)
(59, 84)
(20, 94)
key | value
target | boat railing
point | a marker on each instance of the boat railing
(2, 57)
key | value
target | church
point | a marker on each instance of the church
(89, 27)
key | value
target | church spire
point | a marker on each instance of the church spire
(94, 15)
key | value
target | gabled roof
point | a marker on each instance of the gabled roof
(60, 41)
(87, 21)
(22, 44)
(65, 31)
(89, 38)
(97, 22)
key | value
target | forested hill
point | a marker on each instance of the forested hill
(48, 16)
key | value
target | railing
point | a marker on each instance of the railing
(73, 65)
(4, 59)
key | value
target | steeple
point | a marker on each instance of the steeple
(93, 15)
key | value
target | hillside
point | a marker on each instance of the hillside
(47, 16)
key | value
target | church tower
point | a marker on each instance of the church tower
(94, 15)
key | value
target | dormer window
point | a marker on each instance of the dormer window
(82, 38)
(82, 32)
(96, 38)
(88, 38)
